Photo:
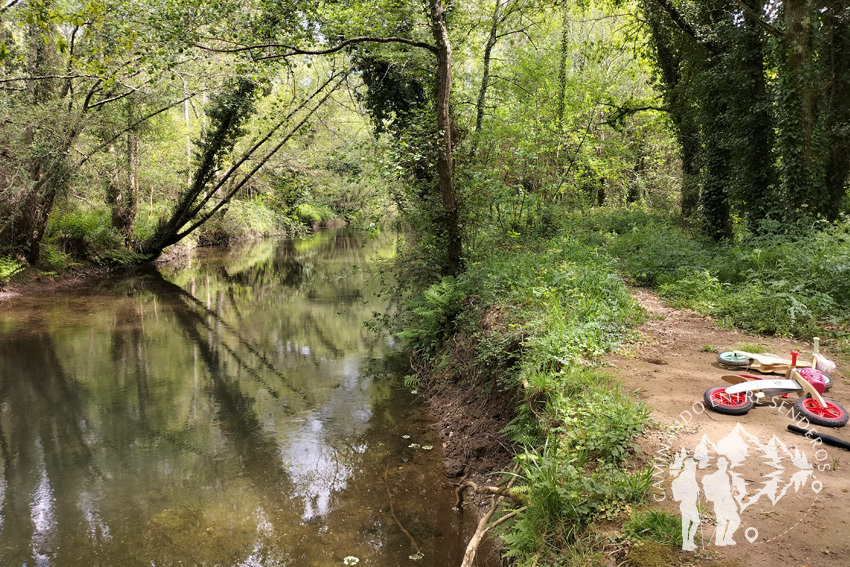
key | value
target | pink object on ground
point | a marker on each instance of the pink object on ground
(814, 377)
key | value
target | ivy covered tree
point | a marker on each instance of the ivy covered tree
(758, 94)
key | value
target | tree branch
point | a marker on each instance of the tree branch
(761, 23)
(224, 178)
(9, 5)
(133, 125)
(292, 50)
(251, 173)
(685, 25)
(47, 77)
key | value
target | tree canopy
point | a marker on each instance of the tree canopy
(483, 113)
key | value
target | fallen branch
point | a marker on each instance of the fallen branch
(392, 511)
(499, 494)
(480, 532)
(503, 491)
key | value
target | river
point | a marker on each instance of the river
(236, 411)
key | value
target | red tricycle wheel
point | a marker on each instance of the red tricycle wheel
(833, 415)
(718, 400)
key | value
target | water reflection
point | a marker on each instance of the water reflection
(219, 415)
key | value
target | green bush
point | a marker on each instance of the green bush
(9, 267)
(308, 214)
(82, 232)
(54, 259)
(244, 219)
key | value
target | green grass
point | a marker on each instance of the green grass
(654, 525)
(750, 347)
(538, 316)
(793, 283)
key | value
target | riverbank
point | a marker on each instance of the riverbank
(515, 354)
(507, 352)
(34, 281)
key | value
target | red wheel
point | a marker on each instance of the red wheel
(718, 400)
(833, 415)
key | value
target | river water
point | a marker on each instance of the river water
(235, 411)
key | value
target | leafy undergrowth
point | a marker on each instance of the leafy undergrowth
(538, 317)
(532, 314)
(792, 282)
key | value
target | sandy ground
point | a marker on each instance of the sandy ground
(789, 523)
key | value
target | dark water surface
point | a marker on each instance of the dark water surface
(233, 412)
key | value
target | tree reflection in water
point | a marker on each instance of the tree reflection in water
(219, 415)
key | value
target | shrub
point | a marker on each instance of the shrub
(9, 267)
(793, 283)
(308, 214)
(81, 232)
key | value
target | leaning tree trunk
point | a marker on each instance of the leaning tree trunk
(445, 168)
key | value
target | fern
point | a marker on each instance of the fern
(9, 267)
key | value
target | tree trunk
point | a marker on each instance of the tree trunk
(838, 110)
(562, 67)
(687, 130)
(485, 77)
(800, 185)
(689, 141)
(757, 177)
(445, 168)
(123, 191)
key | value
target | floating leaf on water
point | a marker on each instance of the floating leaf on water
(351, 560)
(427, 447)
(414, 445)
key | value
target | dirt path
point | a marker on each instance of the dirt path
(670, 370)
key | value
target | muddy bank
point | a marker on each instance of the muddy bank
(469, 422)
(34, 281)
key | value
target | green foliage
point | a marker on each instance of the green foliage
(790, 283)
(654, 525)
(244, 220)
(597, 422)
(81, 233)
(307, 214)
(56, 260)
(563, 497)
(9, 267)
(761, 131)
(434, 314)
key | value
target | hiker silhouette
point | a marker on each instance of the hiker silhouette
(718, 489)
(686, 490)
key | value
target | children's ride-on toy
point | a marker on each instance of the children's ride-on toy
(768, 362)
(747, 389)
